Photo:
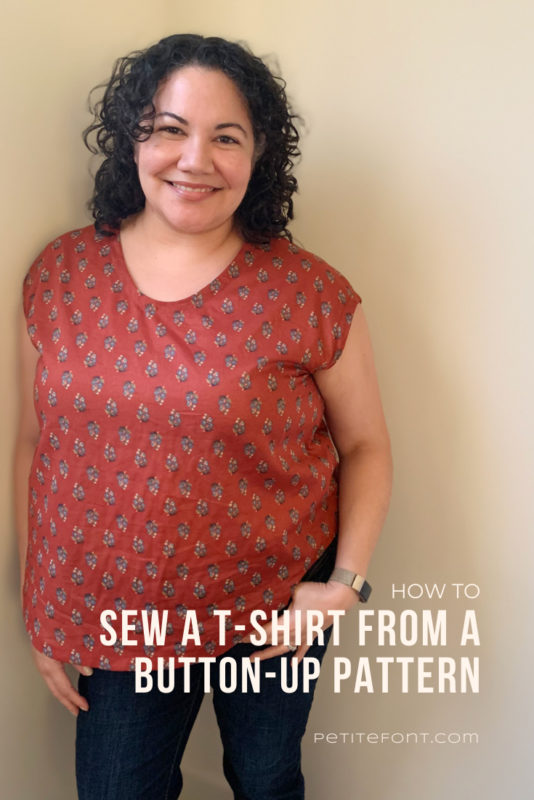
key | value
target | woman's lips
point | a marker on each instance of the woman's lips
(192, 188)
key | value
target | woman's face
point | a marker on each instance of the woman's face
(195, 167)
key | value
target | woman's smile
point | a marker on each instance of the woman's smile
(192, 191)
(187, 187)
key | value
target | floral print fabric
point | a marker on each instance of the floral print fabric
(184, 461)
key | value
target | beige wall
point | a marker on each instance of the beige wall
(416, 182)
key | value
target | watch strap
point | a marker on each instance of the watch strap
(352, 579)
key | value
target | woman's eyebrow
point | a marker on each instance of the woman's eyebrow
(170, 114)
(231, 125)
(218, 127)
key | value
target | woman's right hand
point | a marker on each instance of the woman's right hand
(59, 684)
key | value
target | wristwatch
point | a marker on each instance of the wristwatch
(352, 579)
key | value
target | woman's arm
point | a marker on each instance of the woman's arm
(52, 671)
(356, 421)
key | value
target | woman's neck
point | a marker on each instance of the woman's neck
(168, 265)
(150, 229)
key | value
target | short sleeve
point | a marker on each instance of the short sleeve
(38, 296)
(29, 288)
(334, 305)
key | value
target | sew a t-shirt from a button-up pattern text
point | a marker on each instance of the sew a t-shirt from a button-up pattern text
(184, 462)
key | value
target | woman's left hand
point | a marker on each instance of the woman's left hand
(308, 596)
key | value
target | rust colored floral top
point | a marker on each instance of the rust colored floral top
(184, 462)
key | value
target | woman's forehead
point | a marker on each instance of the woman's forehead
(200, 88)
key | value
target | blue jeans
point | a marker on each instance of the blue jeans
(129, 746)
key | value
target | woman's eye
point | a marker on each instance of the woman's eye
(171, 129)
(227, 139)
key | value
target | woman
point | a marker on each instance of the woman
(192, 367)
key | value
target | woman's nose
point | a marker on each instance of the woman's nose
(195, 155)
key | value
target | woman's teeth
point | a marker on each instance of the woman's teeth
(192, 189)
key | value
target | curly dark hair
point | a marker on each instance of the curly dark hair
(121, 118)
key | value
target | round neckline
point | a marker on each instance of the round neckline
(224, 276)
